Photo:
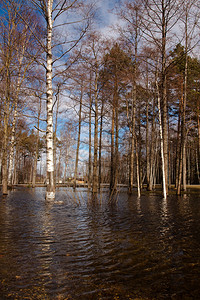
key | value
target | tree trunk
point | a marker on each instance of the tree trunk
(4, 157)
(152, 159)
(164, 96)
(178, 144)
(36, 146)
(132, 144)
(95, 170)
(137, 169)
(12, 145)
(50, 191)
(100, 144)
(90, 138)
(79, 137)
(5, 136)
(116, 159)
(55, 135)
(184, 105)
(147, 145)
(112, 169)
(161, 142)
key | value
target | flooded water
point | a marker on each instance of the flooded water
(70, 248)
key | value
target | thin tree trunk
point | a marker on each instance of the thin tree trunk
(147, 145)
(161, 141)
(5, 136)
(100, 144)
(198, 126)
(184, 105)
(197, 166)
(132, 133)
(164, 96)
(95, 170)
(90, 138)
(11, 156)
(36, 146)
(79, 137)
(112, 170)
(178, 144)
(55, 135)
(138, 171)
(152, 152)
(189, 167)
(116, 159)
(4, 157)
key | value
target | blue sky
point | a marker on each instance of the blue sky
(105, 8)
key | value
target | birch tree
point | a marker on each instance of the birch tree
(53, 13)
(159, 18)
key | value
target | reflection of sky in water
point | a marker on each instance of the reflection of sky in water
(82, 249)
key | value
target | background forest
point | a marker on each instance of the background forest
(117, 105)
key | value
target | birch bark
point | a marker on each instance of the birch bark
(161, 141)
(50, 191)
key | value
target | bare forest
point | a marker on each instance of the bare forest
(83, 107)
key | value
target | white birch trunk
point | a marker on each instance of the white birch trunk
(50, 191)
(161, 141)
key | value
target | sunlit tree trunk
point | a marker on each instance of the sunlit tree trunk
(79, 136)
(161, 141)
(95, 170)
(12, 144)
(5, 155)
(50, 191)
(164, 97)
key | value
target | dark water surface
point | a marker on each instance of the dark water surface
(72, 249)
